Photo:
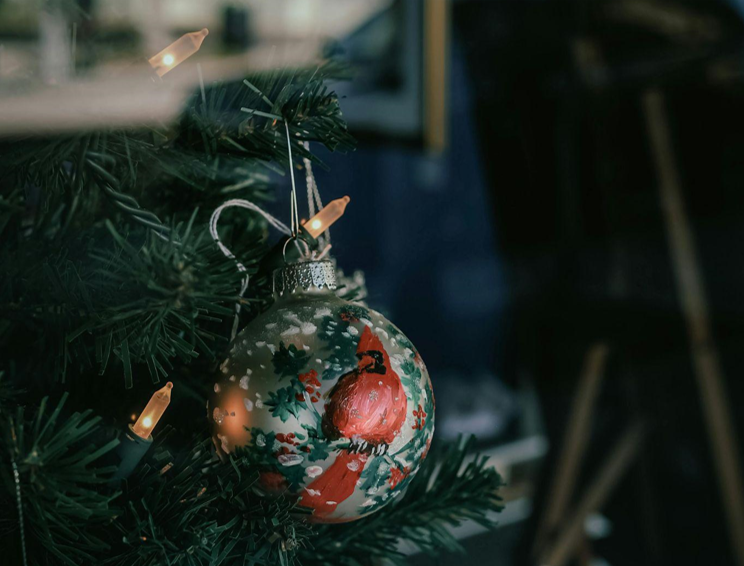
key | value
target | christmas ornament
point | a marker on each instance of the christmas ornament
(328, 399)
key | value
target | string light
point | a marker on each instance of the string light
(178, 51)
(326, 217)
(153, 411)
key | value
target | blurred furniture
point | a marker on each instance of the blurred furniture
(708, 369)
(562, 525)
(575, 192)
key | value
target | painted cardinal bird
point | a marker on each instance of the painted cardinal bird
(367, 406)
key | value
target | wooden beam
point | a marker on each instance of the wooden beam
(436, 58)
(575, 439)
(692, 295)
(594, 498)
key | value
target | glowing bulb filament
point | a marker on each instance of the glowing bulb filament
(178, 51)
(152, 413)
(326, 217)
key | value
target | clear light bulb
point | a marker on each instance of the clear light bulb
(323, 220)
(178, 51)
(152, 413)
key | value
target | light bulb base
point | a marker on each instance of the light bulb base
(131, 450)
(134, 437)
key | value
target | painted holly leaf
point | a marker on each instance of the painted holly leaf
(284, 403)
(411, 369)
(289, 361)
(401, 338)
(271, 451)
(375, 473)
(411, 380)
(261, 448)
(403, 483)
(315, 431)
(319, 451)
(317, 446)
(429, 410)
(295, 475)
(416, 445)
(341, 339)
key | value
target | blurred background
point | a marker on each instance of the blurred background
(547, 197)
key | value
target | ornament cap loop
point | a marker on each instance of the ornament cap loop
(306, 276)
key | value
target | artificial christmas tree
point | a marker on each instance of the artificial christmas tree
(111, 283)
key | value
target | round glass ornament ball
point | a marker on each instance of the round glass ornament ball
(329, 399)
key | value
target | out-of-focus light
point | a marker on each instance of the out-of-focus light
(326, 217)
(178, 51)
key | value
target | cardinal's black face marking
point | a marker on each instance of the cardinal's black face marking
(379, 362)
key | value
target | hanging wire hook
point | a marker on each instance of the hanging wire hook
(295, 224)
(296, 237)
(296, 242)
(242, 203)
(292, 231)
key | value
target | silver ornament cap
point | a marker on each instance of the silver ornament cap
(305, 276)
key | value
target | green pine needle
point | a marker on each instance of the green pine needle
(108, 268)
(64, 488)
(452, 486)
